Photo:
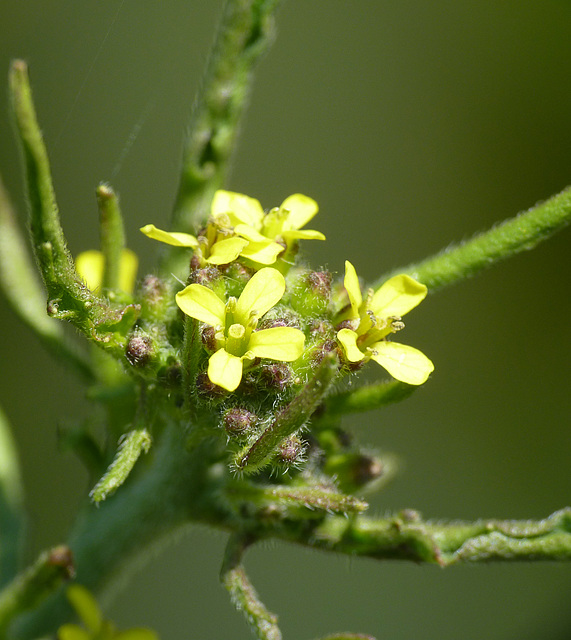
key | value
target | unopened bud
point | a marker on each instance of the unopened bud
(205, 276)
(208, 337)
(354, 471)
(239, 423)
(139, 350)
(291, 451)
(236, 277)
(276, 376)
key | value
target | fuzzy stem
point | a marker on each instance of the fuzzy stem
(521, 233)
(290, 419)
(407, 537)
(26, 296)
(135, 443)
(12, 515)
(245, 33)
(69, 297)
(112, 235)
(34, 585)
(297, 501)
(243, 595)
(174, 488)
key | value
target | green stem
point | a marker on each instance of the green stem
(245, 33)
(174, 489)
(407, 537)
(296, 501)
(26, 296)
(521, 233)
(131, 447)
(12, 515)
(243, 595)
(69, 298)
(112, 235)
(290, 419)
(35, 584)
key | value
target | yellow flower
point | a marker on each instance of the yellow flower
(90, 266)
(214, 250)
(95, 627)
(281, 224)
(235, 321)
(373, 319)
(239, 227)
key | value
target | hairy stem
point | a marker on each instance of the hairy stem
(243, 595)
(23, 290)
(407, 537)
(521, 233)
(245, 33)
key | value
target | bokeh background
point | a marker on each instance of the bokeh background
(413, 124)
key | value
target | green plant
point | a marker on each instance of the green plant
(150, 376)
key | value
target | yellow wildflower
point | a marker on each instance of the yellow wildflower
(235, 321)
(373, 319)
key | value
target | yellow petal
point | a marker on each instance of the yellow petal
(89, 265)
(200, 302)
(279, 343)
(301, 210)
(303, 234)
(238, 207)
(348, 340)
(226, 251)
(174, 238)
(248, 232)
(262, 252)
(404, 363)
(353, 288)
(225, 370)
(263, 291)
(128, 270)
(397, 296)
(72, 632)
(86, 606)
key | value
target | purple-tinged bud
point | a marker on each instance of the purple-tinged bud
(322, 349)
(310, 292)
(291, 451)
(139, 350)
(321, 329)
(354, 471)
(206, 387)
(280, 317)
(208, 338)
(239, 423)
(153, 290)
(276, 376)
(205, 277)
(236, 276)
(348, 324)
(195, 261)
(320, 283)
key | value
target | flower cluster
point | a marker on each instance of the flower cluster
(241, 326)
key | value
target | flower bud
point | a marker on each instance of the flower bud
(311, 292)
(139, 350)
(291, 452)
(239, 423)
(354, 471)
(276, 376)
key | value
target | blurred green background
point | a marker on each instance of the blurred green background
(413, 124)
